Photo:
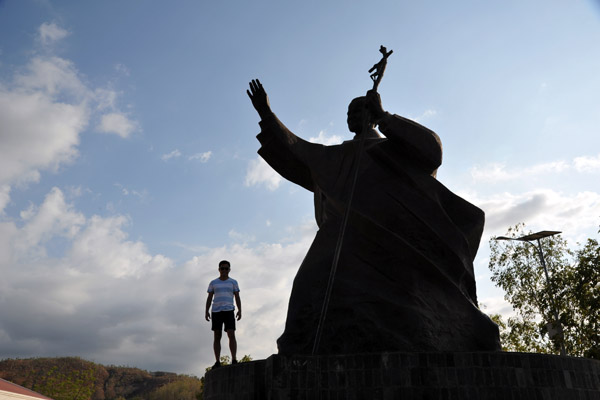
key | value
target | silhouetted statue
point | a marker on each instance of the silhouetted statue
(404, 280)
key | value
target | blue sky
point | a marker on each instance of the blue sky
(128, 163)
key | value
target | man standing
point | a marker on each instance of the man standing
(222, 290)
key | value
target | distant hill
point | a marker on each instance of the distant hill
(73, 378)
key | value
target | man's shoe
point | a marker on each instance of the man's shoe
(234, 362)
(217, 365)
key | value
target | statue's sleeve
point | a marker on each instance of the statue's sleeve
(413, 141)
(291, 156)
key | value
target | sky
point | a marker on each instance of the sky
(128, 164)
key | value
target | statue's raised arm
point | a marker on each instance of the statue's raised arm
(259, 99)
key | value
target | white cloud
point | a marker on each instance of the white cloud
(103, 248)
(117, 123)
(548, 168)
(426, 115)
(491, 173)
(497, 172)
(121, 68)
(105, 98)
(52, 76)
(241, 237)
(323, 138)
(43, 112)
(132, 192)
(174, 154)
(107, 298)
(203, 157)
(54, 218)
(261, 173)
(496, 305)
(98, 285)
(37, 133)
(50, 33)
(587, 164)
(4, 197)
(543, 209)
(577, 215)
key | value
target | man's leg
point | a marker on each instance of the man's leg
(232, 344)
(217, 344)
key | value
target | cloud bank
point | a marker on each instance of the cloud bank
(260, 173)
(49, 33)
(77, 285)
(498, 172)
(44, 110)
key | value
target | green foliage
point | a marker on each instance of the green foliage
(73, 378)
(59, 378)
(226, 360)
(187, 388)
(584, 297)
(517, 334)
(571, 291)
(67, 385)
(76, 379)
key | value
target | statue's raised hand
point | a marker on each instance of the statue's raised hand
(373, 104)
(259, 98)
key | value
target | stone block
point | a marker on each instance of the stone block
(436, 376)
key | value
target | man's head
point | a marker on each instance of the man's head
(224, 268)
(357, 113)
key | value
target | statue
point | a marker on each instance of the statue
(401, 277)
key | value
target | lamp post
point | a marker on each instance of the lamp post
(529, 239)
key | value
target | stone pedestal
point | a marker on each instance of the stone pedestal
(477, 376)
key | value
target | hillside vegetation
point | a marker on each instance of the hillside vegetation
(72, 378)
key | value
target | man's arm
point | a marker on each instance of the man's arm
(238, 303)
(208, 303)
(414, 139)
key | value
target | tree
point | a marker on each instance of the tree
(572, 291)
(186, 388)
(585, 299)
(70, 385)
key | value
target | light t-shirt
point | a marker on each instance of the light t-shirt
(223, 294)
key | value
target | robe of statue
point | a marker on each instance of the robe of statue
(405, 278)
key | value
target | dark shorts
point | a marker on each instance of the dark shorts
(223, 317)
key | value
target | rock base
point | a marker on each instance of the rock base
(480, 376)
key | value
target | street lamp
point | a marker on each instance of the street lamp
(529, 239)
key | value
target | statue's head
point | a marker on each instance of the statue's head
(356, 115)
